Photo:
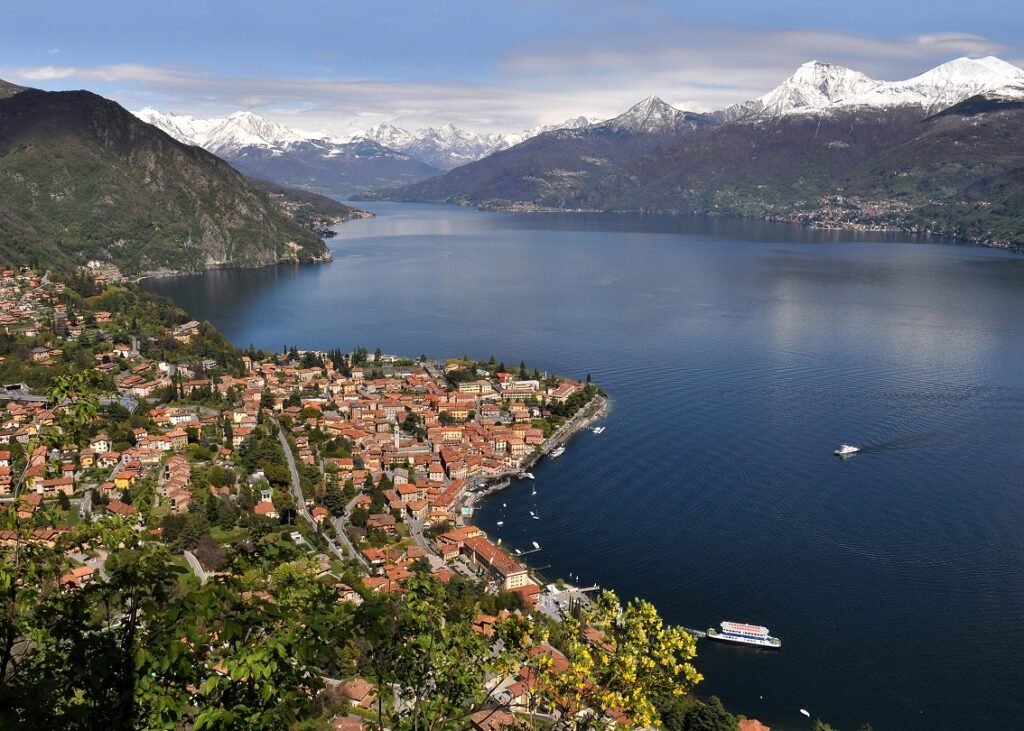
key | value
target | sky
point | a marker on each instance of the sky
(486, 65)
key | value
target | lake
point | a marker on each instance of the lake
(738, 356)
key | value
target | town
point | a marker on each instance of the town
(360, 467)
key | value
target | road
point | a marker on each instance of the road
(197, 568)
(300, 500)
(416, 530)
(339, 527)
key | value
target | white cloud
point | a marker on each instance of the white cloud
(696, 68)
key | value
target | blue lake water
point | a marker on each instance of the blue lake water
(738, 355)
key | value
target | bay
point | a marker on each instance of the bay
(738, 355)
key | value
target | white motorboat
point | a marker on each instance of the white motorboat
(528, 475)
(846, 450)
(557, 452)
(598, 429)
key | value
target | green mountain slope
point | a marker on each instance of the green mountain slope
(81, 178)
(957, 173)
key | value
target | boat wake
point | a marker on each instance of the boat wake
(931, 440)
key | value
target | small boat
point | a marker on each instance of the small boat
(598, 429)
(500, 523)
(528, 475)
(534, 491)
(535, 517)
(557, 452)
(846, 450)
(504, 505)
(744, 634)
(805, 712)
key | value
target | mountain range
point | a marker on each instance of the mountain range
(82, 178)
(447, 147)
(937, 152)
(381, 156)
(821, 88)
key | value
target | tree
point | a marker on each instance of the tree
(277, 474)
(358, 517)
(210, 553)
(636, 659)
(434, 660)
(710, 716)
(334, 500)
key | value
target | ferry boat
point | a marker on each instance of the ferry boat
(846, 450)
(557, 452)
(744, 634)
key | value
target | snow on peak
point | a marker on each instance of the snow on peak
(448, 146)
(226, 135)
(388, 135)
(949, 84)
(246, 129)
(814, 86)
(818, 87)
(652, 115)
(179, 126)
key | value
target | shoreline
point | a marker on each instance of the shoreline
(326, 258)
(795, 220)
(594, 411)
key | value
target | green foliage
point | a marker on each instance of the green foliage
(182, 532)
(638, 660)
(683, 713)
(434, 660)
(84, 179)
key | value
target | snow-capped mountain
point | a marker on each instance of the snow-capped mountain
(580, 122)
(813, 87)
(388, 135)
(652, 116)
(818, 87)
(266, 149)
(948, 84)
(248, 135)
(447, 147)
(224, 136)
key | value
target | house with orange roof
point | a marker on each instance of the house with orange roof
(265, 509)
